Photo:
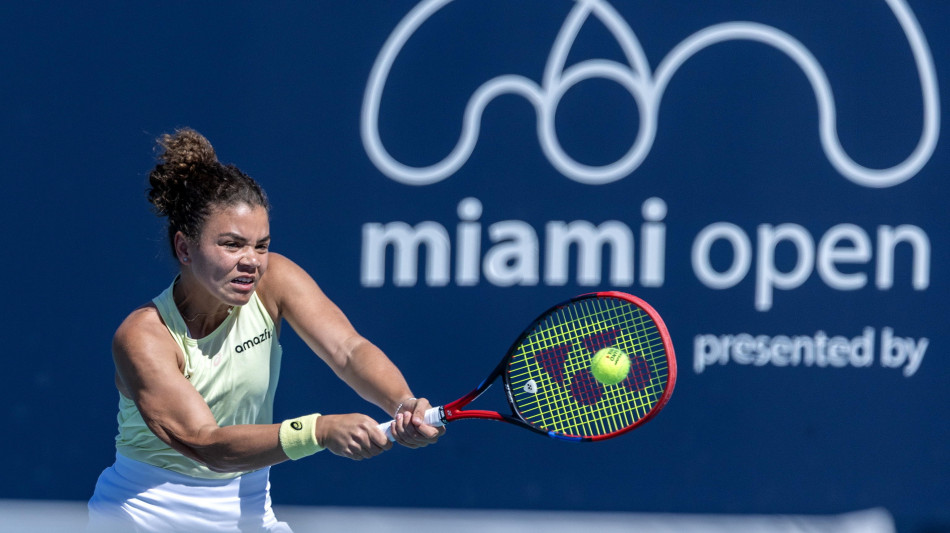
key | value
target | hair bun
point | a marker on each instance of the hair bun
(185, 149)
(185, 155)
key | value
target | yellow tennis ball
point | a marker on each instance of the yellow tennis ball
(610, 365)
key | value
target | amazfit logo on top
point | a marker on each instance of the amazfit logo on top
(253, 341)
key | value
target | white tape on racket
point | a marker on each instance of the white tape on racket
(433, 417)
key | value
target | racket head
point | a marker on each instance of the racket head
(547, 375)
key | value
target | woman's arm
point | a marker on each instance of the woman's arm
(149, 371)
(358, 362)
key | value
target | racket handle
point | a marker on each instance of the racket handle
(433, 417)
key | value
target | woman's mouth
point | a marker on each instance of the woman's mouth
(243, 282)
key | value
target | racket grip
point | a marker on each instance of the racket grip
(433, 417)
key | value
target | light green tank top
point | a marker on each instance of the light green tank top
(235, 369)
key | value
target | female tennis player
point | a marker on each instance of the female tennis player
(197, 367)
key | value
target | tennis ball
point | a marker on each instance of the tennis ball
(610, 365)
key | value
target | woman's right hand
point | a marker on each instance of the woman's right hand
(353, 435)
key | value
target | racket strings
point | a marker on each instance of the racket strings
(599, 417)
(549, 375)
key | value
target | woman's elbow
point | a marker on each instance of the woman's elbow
(213, 455)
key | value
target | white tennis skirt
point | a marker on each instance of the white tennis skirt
(132, 496)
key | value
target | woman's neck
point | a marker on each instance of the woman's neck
(202, 315)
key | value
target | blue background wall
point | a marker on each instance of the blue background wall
(279, 90)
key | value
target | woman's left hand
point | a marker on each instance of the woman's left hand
(409, 427)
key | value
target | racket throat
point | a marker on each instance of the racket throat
(453, 410)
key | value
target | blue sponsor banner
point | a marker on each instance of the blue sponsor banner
(769, 176)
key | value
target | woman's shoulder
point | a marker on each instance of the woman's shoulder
(282, 274)
(279, 262)
(284, 281)
(142, 347)
(276, 282)
(144, 324)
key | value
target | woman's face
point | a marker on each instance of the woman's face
(231, 253)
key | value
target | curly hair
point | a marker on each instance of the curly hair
(188, 182)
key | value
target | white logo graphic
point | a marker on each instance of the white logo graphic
(531, 387)
(645, 87)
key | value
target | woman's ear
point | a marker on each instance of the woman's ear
(182, 248)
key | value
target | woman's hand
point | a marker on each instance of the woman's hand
(409, 427)
(354, 435)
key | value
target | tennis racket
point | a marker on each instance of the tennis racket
(548, 380)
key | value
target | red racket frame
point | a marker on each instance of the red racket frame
(453, 411)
